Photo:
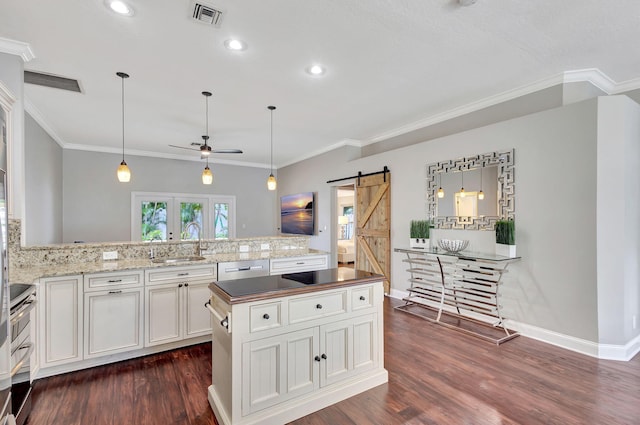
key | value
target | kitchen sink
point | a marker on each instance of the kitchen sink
(170, 260)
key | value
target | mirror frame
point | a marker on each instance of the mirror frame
(505, 162)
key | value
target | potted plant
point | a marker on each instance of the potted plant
(419, 234)
(506, 238)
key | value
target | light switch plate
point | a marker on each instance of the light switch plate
(110, 255)
(244, 248)
(264, 247)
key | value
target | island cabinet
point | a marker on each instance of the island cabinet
(280, 358)
(174, 299)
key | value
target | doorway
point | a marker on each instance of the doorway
(346, 219)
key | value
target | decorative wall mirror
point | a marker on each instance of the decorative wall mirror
(473, 192)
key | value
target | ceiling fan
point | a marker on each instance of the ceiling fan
(204, 148)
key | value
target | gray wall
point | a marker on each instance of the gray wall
(98, 208)
(43, 182)
(554, 286)
(618, 213)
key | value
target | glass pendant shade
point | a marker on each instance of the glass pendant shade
(124, 174)
(207, 176)
(440, 193)
(462, 192)
(271, 182)
(481, 195)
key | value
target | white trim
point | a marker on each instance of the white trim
(18, 48)
(344, 142)
(593, 76)
(626, 86)
(35, 113)
(7, 99)
(593, 349)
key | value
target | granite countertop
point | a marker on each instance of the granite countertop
(32, 273)
(266, 287)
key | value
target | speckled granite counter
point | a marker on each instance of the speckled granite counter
(29, 274)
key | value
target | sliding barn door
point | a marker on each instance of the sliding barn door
(373, 234)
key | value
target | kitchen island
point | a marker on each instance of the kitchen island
(286, 346)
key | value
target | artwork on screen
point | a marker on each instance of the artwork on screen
(296, 214)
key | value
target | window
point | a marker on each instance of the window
(166, 216)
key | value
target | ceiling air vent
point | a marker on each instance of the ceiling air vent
(53, 81)
(206, 14)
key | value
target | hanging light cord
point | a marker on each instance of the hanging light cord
(122, 78)
(207, 120)
(271, 140)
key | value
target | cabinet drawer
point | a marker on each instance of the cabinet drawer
(265, 316)
(179, 274)
(361, 298)
(102, 281)
(314, 307)
(298, 264)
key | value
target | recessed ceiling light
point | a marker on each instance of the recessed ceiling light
(234, 44)
(316, 70)
(119, 7)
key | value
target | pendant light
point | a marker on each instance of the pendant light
(207, 175)
(440, 190)
(462, 185)
(124, 174)
(271, 181)
(481, 193)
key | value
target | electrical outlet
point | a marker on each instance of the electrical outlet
(110, 255)
(243, 248)
(264, 247)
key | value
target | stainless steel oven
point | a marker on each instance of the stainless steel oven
(23, 300)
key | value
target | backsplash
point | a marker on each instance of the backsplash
(20, 256)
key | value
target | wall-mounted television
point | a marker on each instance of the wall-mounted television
(297, 214)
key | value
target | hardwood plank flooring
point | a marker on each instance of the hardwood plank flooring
(436, 376)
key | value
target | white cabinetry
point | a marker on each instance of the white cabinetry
(113, 319)
(282, 358)
(174, 299)
(299, 264)
(60, 314)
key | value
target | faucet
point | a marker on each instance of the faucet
(152, 255)
(197, 226)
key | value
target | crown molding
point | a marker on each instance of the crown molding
(35, 113)
(17, 48)
(162, 155)
(343, 142)
(593, 76)
(626, 86)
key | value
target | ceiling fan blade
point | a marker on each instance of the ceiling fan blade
(182, 147)
(227, 151)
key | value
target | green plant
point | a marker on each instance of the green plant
(506, 232)
(419, 229)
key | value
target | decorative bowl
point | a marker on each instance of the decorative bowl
(453, 245)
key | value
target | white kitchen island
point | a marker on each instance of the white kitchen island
(286, 346)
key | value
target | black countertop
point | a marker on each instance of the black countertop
(264, 287)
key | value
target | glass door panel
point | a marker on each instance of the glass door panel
(191, 212)
(221, 220)
(153, 220)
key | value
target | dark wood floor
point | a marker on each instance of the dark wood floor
(436, 376)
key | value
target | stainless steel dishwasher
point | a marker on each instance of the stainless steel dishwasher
(231, 270)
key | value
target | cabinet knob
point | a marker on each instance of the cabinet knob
(180, 285)
(324, 356)
(186, 284)
(318, 306)
(265, 316)
(316, 358)
(362, 298)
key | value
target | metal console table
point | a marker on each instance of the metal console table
(458, 290)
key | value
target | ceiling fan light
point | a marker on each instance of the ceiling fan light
(120, 7)
(207, 176)
(124, 174)
(271, 182)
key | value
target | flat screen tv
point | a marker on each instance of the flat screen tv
(296, 214)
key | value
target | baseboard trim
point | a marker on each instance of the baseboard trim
(601, 351)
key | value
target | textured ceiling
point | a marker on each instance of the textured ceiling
(390, 63)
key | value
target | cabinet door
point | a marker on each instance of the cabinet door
(163, 323)
(61, 320)
(350, 347)
(197, 317)
(279, 368)
(113, 322)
